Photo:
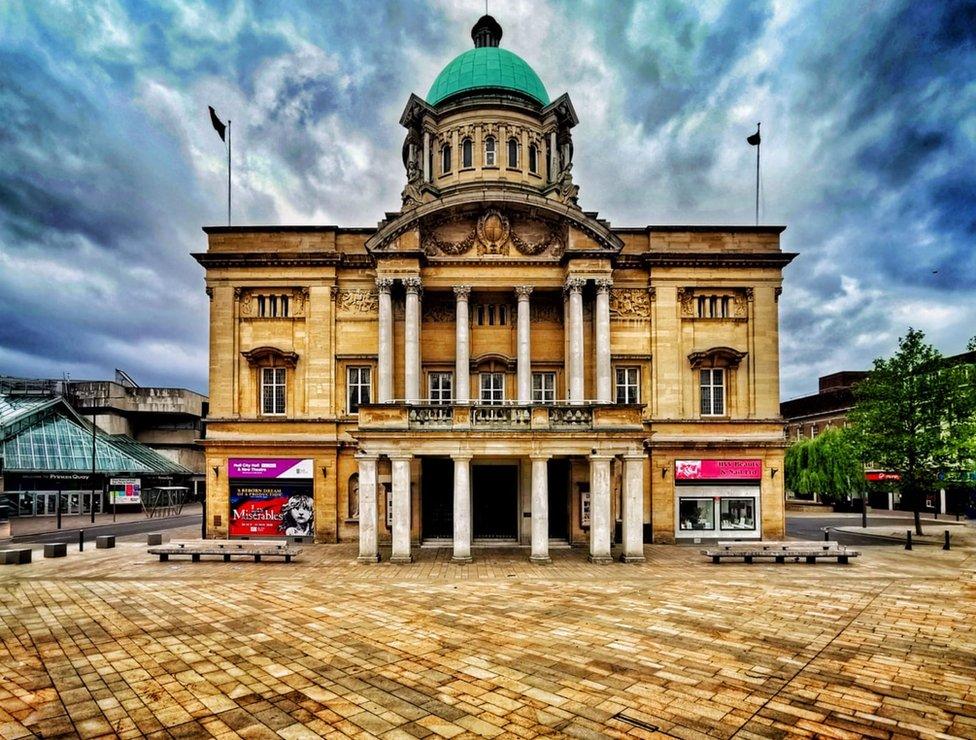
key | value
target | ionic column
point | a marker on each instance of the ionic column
(602, 341)
(575, 287)
(462, 346)
(411, 350)
(368, 552)
(385, 352)
(633, 508)
(600, 508)
(524, 352)
(401, 509)
(462, 509)
(540, 509)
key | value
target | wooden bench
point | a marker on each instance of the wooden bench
(249, 548)
(810, 551)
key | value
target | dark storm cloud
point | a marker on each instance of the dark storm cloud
(108, 164)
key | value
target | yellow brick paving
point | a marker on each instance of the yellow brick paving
(116, 644)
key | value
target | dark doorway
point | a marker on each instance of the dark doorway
(559, 499)
(495, 501)
(437, 505)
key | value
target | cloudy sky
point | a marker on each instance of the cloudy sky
(109, 165)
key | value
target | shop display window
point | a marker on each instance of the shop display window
(696, 514)
(738, 513)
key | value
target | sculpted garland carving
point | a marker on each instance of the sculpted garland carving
(630, 303)
(358, 301)
(493, 234)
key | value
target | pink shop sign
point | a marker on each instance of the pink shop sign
(734, 469)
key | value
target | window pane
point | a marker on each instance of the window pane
(738, 513)
(696, 514)
(706, 399)
(466, 149)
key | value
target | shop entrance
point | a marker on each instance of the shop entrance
(559, 499)
(437, 505)
(495, 502)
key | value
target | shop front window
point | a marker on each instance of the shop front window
(696, 514)
(738, 513)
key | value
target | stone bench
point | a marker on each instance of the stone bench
(154, 538)
(105, 542)
(811, 552)
(15, 556)
(56, 550)
(249, 548)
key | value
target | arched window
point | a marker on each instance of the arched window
(512, 153)
(466, 156)
(446, 158)
(490, 152)
(533, 158)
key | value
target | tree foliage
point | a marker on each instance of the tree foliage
(914, 415)
(828, 465)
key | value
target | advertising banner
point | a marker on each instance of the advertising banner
(125, 491)
(271, 510)
(718, 469)
(269, 467)
(877, 475)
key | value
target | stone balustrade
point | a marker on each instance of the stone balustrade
(501, 417)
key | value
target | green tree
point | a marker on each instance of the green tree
(828, 465)
(914, 415)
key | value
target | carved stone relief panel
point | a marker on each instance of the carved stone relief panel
(439, 311)
(492, 233)
(630, 303)
(357, 301)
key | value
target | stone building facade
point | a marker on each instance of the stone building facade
(491, 363)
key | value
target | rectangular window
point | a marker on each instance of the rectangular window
(713, 391)
(440, 387)
(492, 387)
(284, 306)
(262, 306)
(738, 513)
(357, 387)
(696, 514)
(543, 387)
(628, 385)
(273, 390)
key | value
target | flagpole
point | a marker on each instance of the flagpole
(228, 173)
(758, 147)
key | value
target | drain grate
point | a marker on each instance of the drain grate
(623, 717)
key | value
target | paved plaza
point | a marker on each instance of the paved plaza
(114, 643)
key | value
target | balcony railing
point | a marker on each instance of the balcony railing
(559, 417)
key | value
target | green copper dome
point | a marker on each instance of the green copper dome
(486, 67)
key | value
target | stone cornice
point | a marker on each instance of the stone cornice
(716, 259)
(269, 259)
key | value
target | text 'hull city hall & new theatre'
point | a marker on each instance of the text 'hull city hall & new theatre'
(492, 364)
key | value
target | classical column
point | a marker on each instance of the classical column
(462, 346)
(633, 508)
(600, 508)
(602, 340)
(383, 285)
(553, 157)
(462, 509)
(524, 351)
(426, 156)
(368, 552)
(540, 509)
(401, 509)
(575, 287)
(411, 350)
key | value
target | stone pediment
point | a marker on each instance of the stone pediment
(474, 226)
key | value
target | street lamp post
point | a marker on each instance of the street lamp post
(93, 470)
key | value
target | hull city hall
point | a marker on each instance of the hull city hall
(492, 365)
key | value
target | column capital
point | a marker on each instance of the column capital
(523, 291)
(603, 285)
(633, 455)
(597, 456)
(364, 455)
(383, 284)
(462, 292)
(462, 457)
(412, 284)
(540, 457)
(574, 284)
(400, 456)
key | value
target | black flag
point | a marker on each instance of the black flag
(218, 125)
(754, 139)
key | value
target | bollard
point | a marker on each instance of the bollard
(908, 540)
(826, 535)
(81, 540)
(946, 545)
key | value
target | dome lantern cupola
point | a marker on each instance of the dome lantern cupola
(486, 32)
